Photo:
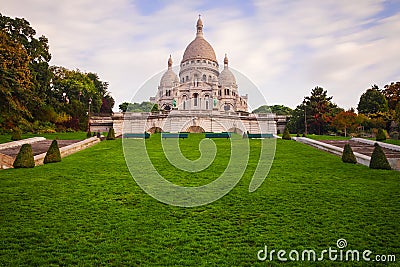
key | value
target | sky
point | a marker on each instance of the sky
(285, 48)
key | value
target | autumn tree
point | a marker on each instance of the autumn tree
(15, 83)
(346, 120)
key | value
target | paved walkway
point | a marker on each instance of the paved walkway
(37, 147)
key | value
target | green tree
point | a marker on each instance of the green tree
(286, 134)
(378, 159)
(372, 102)
(123, 107)
(15, 83)
(155, 108)
(53, 153)
(348, 155)
(20, 31)
(277, 109)
(24, 158)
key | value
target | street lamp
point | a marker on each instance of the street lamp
(305, 116)
(88, 122)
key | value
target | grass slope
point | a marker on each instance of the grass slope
(87, 210)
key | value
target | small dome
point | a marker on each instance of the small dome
(169, 78)
(226, 77)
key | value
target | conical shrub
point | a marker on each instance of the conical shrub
(16, 135)
(348, 155)
(24, 158)
(286, 135)
(53, 153)
(111, 134)
(88, 134)
(378, 159)
(381, 135)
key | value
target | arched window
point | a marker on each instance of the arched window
(204, 77)
(209, 78)
(183, 79)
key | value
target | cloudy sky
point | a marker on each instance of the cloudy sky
(285, 48)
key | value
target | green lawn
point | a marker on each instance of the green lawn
(327, 137)
(62, 136)
(88, 210)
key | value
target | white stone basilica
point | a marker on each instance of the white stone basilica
(200, 85)
(200, 99)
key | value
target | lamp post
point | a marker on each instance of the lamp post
(305, 116)
(88, 122)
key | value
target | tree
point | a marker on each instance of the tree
(277, 109)
(372, 102)
(24, 158)
(53, 153)
(346, 120)
(155, 108)
(123, 107)
(392, 95)
(111, 134)
(286, 134)
(381, 135)
(20, 31)
(348, 155)
(321, 110)
(15, 83)
(378, 159)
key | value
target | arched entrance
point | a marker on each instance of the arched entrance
(235, 130)
(153, 130)
(195, 129)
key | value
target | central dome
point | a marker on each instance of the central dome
(199, 48)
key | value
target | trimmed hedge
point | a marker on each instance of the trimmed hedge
(378, 159)
(16, 135)
(111, 134)
(53, 153)
(381, 135)
(24, 158)
(286, 135)
(348, 155)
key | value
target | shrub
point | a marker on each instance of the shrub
(297, 135)
(24, 158)
(278, 131)
(378, 159)
(286, 134)
(89, 134)
(348, 155)
(304, 135)
(53, 153)
(16, 134)
(381, 135)
(111, 134)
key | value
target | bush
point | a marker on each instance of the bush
(348, 155)
(111, 134)
(278, 131)
(304, 135)
(378, 159)
(16, 135)
(24, 158)
(89, 134)
(381, 135)
(53, 153)
(286, 134)
(297, 135)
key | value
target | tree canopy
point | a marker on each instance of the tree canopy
(35, 96)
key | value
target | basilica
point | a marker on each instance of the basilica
(200, 85)
(200, 98)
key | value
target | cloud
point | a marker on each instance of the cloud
(285, 47)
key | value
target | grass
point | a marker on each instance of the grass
(327, 137)
(4, 138)
(87, 210)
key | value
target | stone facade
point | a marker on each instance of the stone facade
(200, 85)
